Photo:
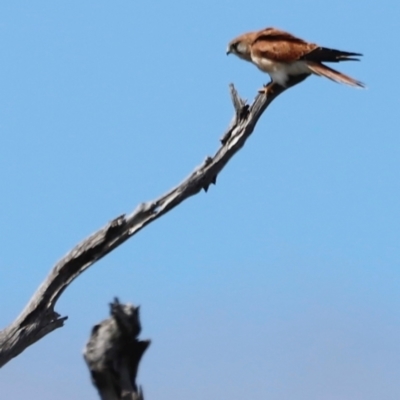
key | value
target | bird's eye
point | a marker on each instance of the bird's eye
(234, 47)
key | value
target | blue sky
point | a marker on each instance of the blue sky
(282, 281)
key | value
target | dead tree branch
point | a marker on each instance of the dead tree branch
(113, 353)
(39, 318)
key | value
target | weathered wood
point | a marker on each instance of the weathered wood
(113, 353)
(39, 318)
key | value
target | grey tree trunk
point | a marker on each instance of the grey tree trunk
(113, 353)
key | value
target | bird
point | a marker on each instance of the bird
(287, 58)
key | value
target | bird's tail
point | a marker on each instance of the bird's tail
(330, 73)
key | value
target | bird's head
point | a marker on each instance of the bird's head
(241, 46)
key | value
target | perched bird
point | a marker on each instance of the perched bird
(286, 58)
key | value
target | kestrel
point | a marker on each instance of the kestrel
(285, 57)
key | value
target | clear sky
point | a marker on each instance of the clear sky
(282, 282)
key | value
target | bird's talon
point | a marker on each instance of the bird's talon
(266, 89)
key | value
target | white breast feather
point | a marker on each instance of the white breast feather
(279, 72)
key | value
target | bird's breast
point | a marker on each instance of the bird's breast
(266, 64)
(280, 71)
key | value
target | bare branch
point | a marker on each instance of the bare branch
(113, 353)
(39, 318)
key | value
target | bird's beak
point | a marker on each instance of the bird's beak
(228, 51)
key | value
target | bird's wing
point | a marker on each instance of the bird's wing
(280, 46)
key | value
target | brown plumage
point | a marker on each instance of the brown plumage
(283, 56)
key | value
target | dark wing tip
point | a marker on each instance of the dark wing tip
(349, 59)
(351, 56)
(324, 54)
